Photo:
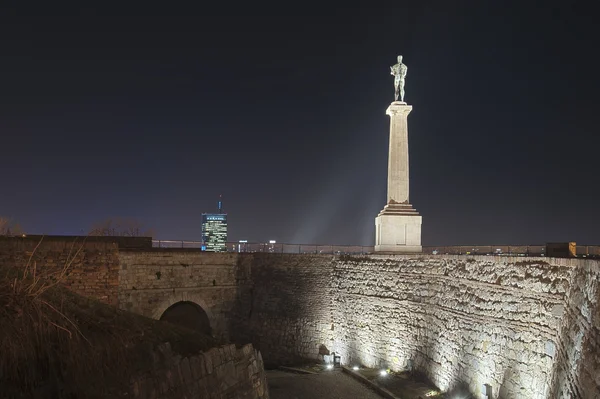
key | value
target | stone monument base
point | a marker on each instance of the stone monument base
(398, 229)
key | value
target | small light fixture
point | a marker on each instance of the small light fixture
(337, 360)
(355, 368)
(383, 373)
(486, 390)
(329, 366)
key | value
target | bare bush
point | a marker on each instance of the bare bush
(128, 227)
(9, 228)
(27, 312)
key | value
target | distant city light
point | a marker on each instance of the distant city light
(272, 241)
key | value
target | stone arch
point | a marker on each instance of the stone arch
(190, 315)
(183, 298)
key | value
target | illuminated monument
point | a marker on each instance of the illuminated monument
(398, 225)
(214, 230)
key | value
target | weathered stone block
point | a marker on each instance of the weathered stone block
(186, 371)
(208, 363)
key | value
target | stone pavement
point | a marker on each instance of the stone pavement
(327, 385)
(401, 384)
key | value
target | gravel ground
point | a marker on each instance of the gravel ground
(328, 385)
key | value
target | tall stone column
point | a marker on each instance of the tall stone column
(398, 225)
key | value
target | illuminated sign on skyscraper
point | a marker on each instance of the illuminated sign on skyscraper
(214, 231)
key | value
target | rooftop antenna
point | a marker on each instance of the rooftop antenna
(220, 203)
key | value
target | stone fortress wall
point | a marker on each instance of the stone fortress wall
(577, 369)
(480, 320)
(148, 282)
(222, 372)
(528, 327)
(285, 306)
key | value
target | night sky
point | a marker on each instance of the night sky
(153, 113)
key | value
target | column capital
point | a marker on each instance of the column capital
(398, 108)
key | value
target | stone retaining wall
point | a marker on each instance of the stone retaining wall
(284, 306)
(479, 320)
(224, 372)
(528, 327)
(577, 368)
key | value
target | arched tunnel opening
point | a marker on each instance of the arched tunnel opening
(189, 315)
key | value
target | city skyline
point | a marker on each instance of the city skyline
(153, 116)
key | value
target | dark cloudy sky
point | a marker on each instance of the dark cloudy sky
(152, 113)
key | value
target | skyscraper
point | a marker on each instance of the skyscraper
(214, 230)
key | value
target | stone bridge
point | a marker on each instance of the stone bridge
(190, 287)
(526, 327)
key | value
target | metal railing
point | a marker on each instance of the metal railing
(271, 247)
(507, 250)
(592, 251)
(588, 251)
(583, 251)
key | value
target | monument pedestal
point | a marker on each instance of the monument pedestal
(398, 225)
(398, 229)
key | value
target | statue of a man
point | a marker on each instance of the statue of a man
(399, 72)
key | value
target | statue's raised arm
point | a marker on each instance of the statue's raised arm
(399, 71)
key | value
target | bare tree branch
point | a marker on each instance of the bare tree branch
(128, 227)
(9, 228)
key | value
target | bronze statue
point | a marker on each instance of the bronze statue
(399, 72)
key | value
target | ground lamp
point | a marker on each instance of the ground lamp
(337, 360)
